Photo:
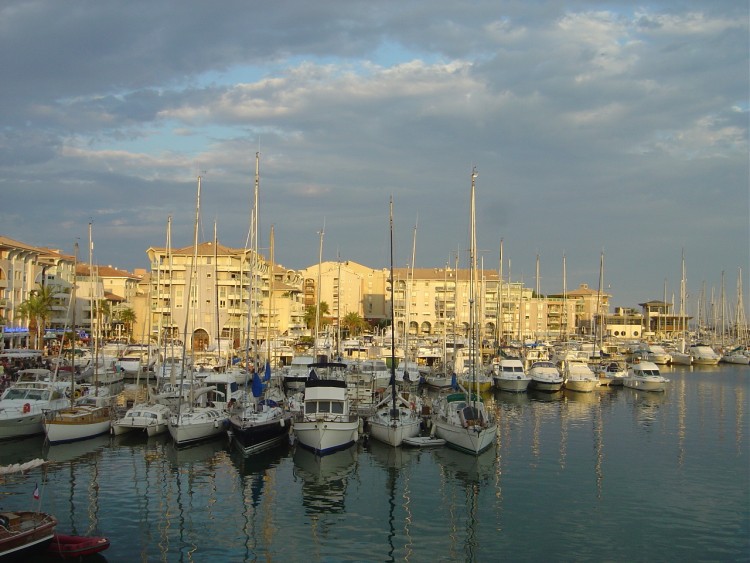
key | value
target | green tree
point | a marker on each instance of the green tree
(36, 309)
(104, 315)
(310, 313)
(354, 324)
(128, 318)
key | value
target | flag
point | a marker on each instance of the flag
(36, 492)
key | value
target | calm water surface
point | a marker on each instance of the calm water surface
(614, 475)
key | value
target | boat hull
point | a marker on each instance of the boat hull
(14, 425)
(470, 440)
(394, 433)
(77, 423)
(512, 385)
(546, 386)
(26, 534)
(645, 384)
(257, 437)
(581, 385)
(324, 437)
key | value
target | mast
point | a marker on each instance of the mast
(394, 410)
(92, 335)
(73, 325)
(216, 294)
(599, 333)
(564, 327)
(191, 288)
(408, 297)
(317, 306)
(683, 294)
(270, 297)
(472, 288)
(500, 313)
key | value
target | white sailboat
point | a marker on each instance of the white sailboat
(462, 419)
(395, 417)
(88, 416)
(195, 419)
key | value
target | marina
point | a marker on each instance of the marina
(617, 473)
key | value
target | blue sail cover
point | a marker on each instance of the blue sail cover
(454, 383)
(267, 374)
(257, 387)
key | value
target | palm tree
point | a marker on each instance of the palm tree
(353, 323)
(128, 318)
(37, 309)
(104, 313)
(310, 313)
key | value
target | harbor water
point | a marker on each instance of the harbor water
(616, 475)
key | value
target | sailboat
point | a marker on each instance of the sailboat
(196, 419)
(462, 419)
(88, 416)
(396, 416)
(261, 422)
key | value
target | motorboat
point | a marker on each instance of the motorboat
(326, 424)
(545, 377)
(655, 353)
(703, 355)
(738, 355)
(148, 418)
(23, 404)
(137, 358)
(645, 376)
(611, 373)
(24, 534)
(578, 376)
(295, 374)
(511, 376)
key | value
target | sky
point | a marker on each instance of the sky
(596, 129)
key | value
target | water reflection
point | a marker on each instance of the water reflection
(471, 473)
(324, 478)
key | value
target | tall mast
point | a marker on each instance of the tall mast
(216, 293)
(270, 297)
(500, 313)
(394, 410)
(472, 282)
(408, 295)
(317, 306)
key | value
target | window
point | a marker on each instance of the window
(337, 407)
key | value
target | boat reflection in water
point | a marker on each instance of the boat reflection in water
(324, 478)
(75, 451)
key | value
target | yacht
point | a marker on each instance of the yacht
(295, 374)
(645, 376)
(23, 404)
(703, 355)
(578, 376)
(545, 377)
(326, 424)
(148, 418)
(511, 376)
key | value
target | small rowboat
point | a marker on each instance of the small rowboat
(73, 547)
(423, 442)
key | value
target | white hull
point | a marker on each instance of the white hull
(466, 439)
(512, 385)
(322, 436)
(77, 423)
(394, 432)
(194, 432)
(18, 425)
(740, 359)
(645, 384)
(150, 419)
(581, 385)
(546, 386)
(682, 359)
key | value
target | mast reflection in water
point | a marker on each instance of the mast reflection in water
(616, 474)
